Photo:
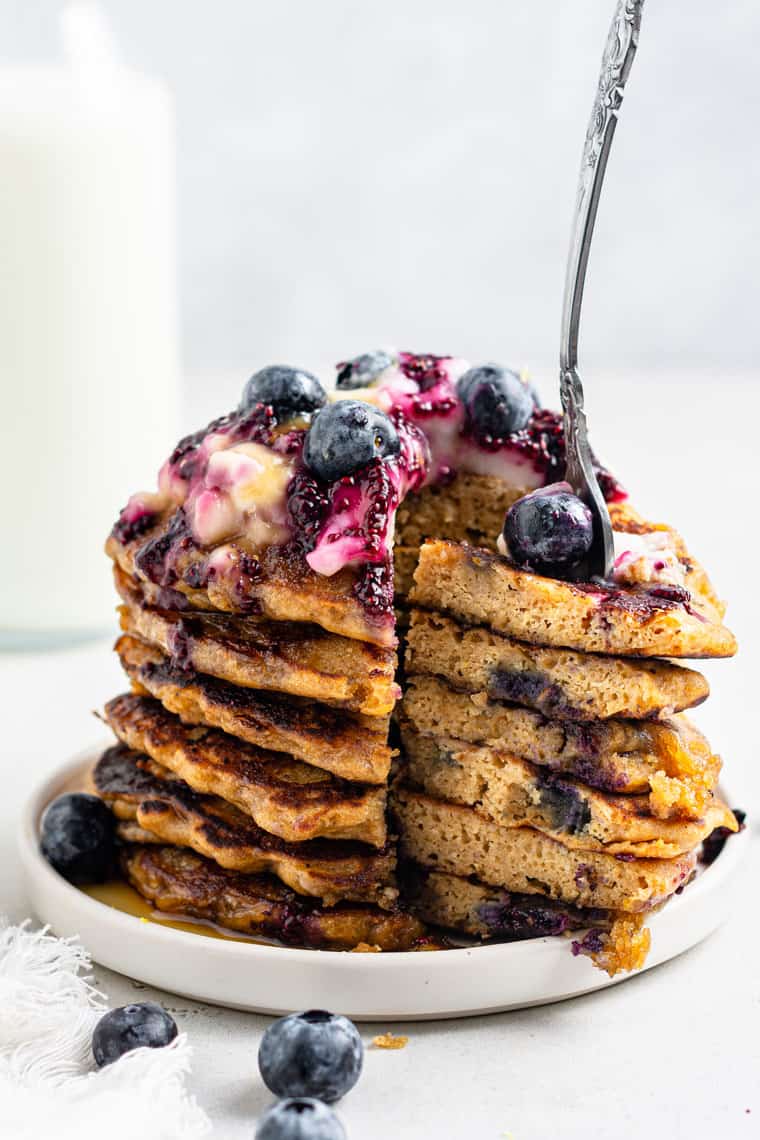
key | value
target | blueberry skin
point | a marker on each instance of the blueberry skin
(549, 533)
(496, 401)
(311, 1054)
(290, 391)
(129, 1027)
(301, 1118)
(348, 435)
(363, 370)
(79, 838)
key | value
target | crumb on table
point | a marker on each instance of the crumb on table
(389, 1041)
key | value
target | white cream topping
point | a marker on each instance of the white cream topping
(646, 558)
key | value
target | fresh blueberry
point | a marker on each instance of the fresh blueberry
(549, 531)
(347, 435)
(363, 370)
(78, 838)
(311, 1054)
(131, 1026)
(300, 1118)
(290, 391)
(497, 402)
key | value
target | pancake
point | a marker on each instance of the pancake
(283, 796)
(483, 911)
(556, 682)
(459, 841)
(349, 745)
(286, 657)
(281, 588)
(138, 792)
(469, 508)
(478, 587)
(615, 942)
(180, 882)
(670, 759)
(515, 793)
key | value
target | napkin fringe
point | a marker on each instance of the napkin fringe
(48, 1083)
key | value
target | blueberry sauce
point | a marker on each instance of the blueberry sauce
(240, 486)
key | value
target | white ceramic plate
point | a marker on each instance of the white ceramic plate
(366, 987)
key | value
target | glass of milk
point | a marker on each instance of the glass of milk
(88, 324)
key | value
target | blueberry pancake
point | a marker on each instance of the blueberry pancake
(460, 841)
(180, 882)
(287, 657)
(615, 941)
(479, 587)
(285, 797)
(560, 683)
(166, 810)
(669, 759)
(516, 793)
(349, 745)
(326, 569)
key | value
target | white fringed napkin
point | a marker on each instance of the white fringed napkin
(48, 1084)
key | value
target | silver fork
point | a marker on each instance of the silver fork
(620, 49)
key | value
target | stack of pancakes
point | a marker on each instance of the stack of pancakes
(250, 774)
(551, 780)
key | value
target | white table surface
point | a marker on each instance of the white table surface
(674, 1053)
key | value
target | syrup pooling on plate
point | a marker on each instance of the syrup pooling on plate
(241, 486)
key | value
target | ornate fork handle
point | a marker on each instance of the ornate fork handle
(619, 52)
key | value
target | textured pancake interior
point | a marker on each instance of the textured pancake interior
(515, 793)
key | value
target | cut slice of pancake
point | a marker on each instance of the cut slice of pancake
(459, 841)
(284, 796)
(286, 657)
(515, 793)
(275, 581)
(479, 587)
(180, 882)
(615, 942)
(137, 791)
(559, 683)
(669, 759)
(349, 745)
(469, 508)
(483, 911)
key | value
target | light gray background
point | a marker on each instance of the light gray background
(356, 174)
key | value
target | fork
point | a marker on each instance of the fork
(617, 60)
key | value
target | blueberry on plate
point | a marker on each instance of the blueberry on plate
(300, 1118)
(363, 370)
(79, 838)
(549, 531)
(497, 402)
(348, 435)
(290, 391)
(311, 1054)
(130, 1027)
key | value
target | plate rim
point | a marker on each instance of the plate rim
(33, 863)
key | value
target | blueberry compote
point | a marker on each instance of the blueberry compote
(240, 496)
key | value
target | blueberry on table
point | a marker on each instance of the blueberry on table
(311, 1054)
(363, 370)
(300, 1118)
(497, 402)
(549, 532)
(348, 435)
(289, 391)
(131, 1027)
(78, 838)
